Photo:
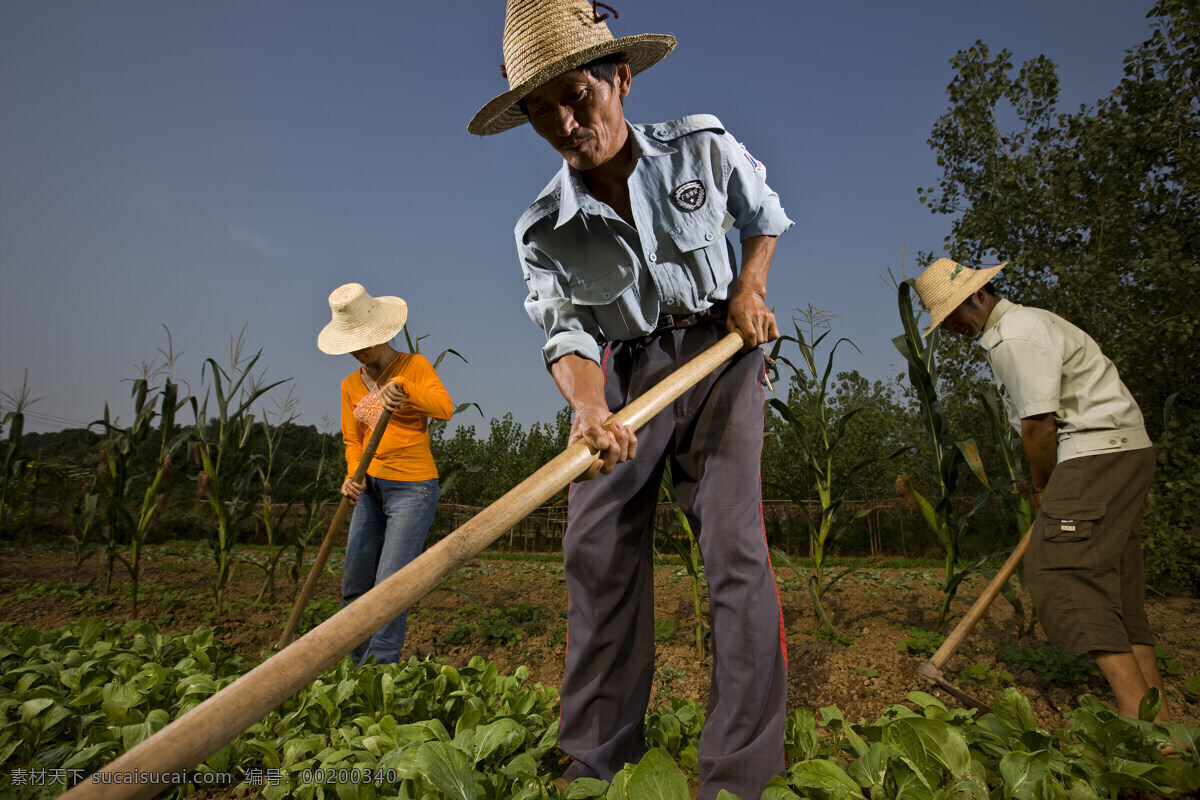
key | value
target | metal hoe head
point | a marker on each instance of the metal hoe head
(934, 675)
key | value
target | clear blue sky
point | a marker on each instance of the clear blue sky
(210, 164)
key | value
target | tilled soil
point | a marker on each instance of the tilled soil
(873, 608)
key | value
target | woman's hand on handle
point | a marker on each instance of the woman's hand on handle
(351, 490)
(394, 393)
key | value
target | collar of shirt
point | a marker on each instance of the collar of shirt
(991, 337)
(573, 196)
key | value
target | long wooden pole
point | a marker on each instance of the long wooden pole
(335, 526)
(932, 669)
(209, 726)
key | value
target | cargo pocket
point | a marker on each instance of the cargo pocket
(1066, 533)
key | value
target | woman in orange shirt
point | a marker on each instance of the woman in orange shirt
(395, 504)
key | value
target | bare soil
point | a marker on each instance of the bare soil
(874, 608)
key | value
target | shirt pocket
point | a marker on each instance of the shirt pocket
(1067, 530)
(601, 290)
(699, 238)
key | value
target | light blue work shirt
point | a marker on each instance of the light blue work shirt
(592, 277)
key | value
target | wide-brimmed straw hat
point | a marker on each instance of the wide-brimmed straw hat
(545, 38)
(945, 284)
(360, 321)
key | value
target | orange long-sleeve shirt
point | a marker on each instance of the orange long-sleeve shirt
(403, 453)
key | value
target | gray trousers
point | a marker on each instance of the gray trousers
(713, 435)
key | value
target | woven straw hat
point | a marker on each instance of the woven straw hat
(945, 284)
(360, 321)
(545, 38)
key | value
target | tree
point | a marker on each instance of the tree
(1099, 212)
(1097, 209)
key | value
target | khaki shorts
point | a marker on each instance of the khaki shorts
(1084, 563)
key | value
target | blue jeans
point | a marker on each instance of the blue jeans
(387, 531)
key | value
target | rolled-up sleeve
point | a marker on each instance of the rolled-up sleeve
(569, 328)
(755, 207)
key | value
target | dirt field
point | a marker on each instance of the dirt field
(874, 607)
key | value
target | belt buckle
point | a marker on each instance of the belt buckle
(665, 321)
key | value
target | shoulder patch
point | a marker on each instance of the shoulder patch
(755, 164)
(693, 123)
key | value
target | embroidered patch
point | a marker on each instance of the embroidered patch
(754, 162)
(689, 196)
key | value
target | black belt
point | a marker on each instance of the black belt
(671, 321)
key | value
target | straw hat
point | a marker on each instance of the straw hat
(945, 284)
(545, 38)
(360, 321)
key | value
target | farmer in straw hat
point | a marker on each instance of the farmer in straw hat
(630, 275)
(394, 505)
(1091, 465)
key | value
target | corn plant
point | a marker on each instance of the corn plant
(12, 461)
(126, 459)
(819, 436)
(948, 455)
(1008, 447)
(154, 498)
(119, 458)
(85, 518)
(272, 521)
(313, 498)
(689, 553)
(437, 425)
(451, 469)
(226, 447)
(12, 464)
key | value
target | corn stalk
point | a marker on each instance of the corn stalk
(1009, 447)
(313, 497)
(225, 447)
(272, 436)
(819, 436)
(118, 457)
(124, 463)
(85, 517)
(12, 460)
(12, 463)
(948, 455)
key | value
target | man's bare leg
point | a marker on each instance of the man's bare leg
(1131, 675)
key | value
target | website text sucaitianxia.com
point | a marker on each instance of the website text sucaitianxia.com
(252, 777)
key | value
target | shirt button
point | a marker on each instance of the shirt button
(653, 258)
(708, 236)
(660, 133)
(1112, 441)
(1124, 440)
(607, 295)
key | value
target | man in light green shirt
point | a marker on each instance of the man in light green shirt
(1091, 465)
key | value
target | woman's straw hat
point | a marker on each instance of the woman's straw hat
(360, 321)
(545, 38)
(945, 284)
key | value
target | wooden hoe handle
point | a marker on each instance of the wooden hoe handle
(335, 526)
(976, 612)
(331, 535)
(206, 728)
